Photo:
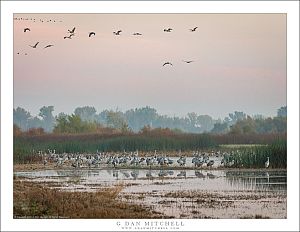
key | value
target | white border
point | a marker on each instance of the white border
(7, 10)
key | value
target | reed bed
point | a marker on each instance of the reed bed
(256, 156)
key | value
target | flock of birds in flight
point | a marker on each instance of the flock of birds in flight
(92, 33)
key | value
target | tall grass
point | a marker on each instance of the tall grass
(26, 146)
(256, 156)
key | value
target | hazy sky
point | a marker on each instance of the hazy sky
(240, 63)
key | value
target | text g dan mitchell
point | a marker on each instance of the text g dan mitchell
(127, 225)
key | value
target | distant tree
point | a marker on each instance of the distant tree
(86, 113)
(205, 122)
(258, 116)
(75, 124)
(102, 117)
(220, 128)
(35, 122)
(61, 123)
(244, 126)
(280, 124)
(140, 117)
(236, 116)
(21, 118)
(282, 112)
(116, 120)
(47, 117)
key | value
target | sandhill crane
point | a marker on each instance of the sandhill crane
(210, 163)
(48, 46)
(188, 61)
(199, 174)
(182, 174)
(117, 32)
(45, 161)
(34, 46)
(193, 29)
(168, 30)
(267, 163)
(137, 33)
(92, 33)
(69, 37)
(181, 161)
(26, 29)
(167, 63)
(72, 31)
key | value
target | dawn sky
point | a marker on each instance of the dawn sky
(239, 63)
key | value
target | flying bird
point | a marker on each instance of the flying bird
(69, 37)
(167, 63)
(48, 46)
(72, 31)
(34, 46)
(168, 30)
(117, 33)
(193, 29)
(188, 61)
(137, 33)
(26, 29)
(92, 33)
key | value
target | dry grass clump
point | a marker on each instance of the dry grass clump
(32, 200)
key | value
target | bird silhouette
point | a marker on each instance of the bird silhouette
(69, 37)
(26, 29)
(193, 29)
(167, 63)
(188, 61)
(48, 46)
(117, 32)
(137, 33)
(34, 46)
(72, 31)
(168, 30)
(92, 33)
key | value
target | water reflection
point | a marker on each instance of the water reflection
(210, 179)
(258, 180)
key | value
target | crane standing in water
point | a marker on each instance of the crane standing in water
(267, 163)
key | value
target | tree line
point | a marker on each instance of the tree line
(87, 120)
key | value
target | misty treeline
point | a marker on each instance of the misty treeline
(146, 119)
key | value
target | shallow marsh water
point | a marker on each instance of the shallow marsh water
(183, 193)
